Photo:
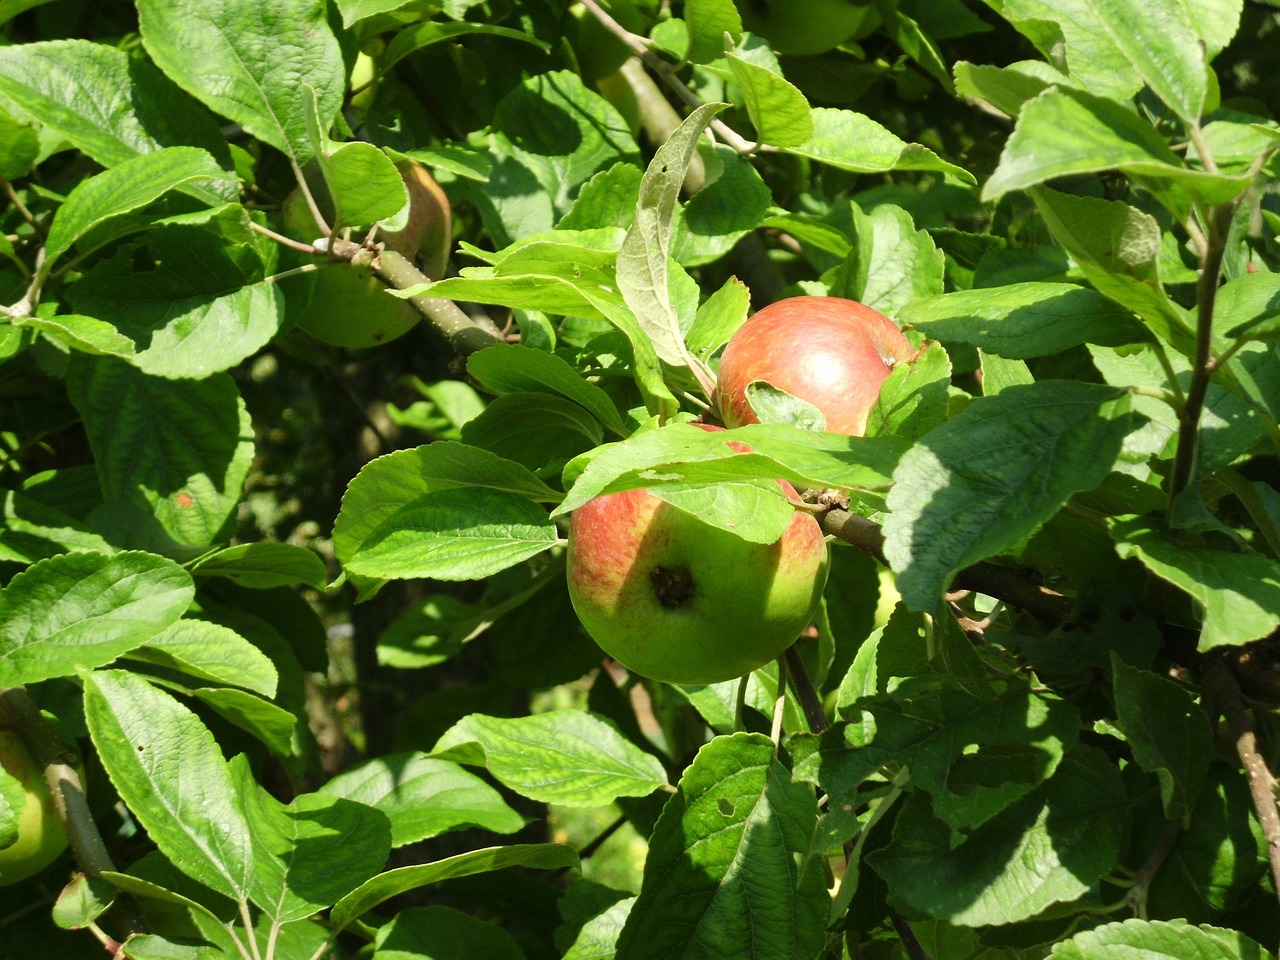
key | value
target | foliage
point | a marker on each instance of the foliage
(303, 608)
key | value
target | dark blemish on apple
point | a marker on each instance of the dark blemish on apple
(674, 588)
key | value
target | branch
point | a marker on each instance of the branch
(1201, 369)
(810, 701)
(1224, 691)
(1016, 587)
(463, 333)
(667, 73)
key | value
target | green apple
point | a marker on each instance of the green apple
(832, 352)
(675, 599)
(350, 307)
(806, 26)
(428, 235)
(41, 836)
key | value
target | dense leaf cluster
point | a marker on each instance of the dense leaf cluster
(303, 608)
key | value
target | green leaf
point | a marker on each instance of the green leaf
(1157, 39)
(253, 62)
(178, 450)
(1215, 21)
(1050, 847)
(707, 22)
(778, 110)
(167, 767)
(275, 726)
(454, 535)
(1065, 132)
(892, 263)
(642, 261)
(733, 202)
(1238, 593)
(153, 946)
(1248, 306)
(110, 105)
(1135, 939)
(771, 405)
(563, 756)
(191, 303)
(388, 484)
(442, 933)
(551, 134)
(83, 334)
(81, 610)
(536, 856)
(758, 511)
(730, 872)
(1168, 733)
(424, 797)
(990, 476)
(1071, 36)
(31, 531)
(13, 800)
(543, 431)
(680, 453)
(565, 279)
(852, 141)
(598, 937)
(19, 145)
(1216, 862)
(1118, 248)
(1006, 88)
(309, 853)
(975, 753)
(513, 368)
(430, 32)
(915, 398)
(718, 319)
(210, 651)
(124, 188)
(265, 565)
(1022, 320)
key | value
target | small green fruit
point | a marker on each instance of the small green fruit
(806, 26)
(350, 307)
(41, 836)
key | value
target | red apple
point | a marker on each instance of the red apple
(831, 352)
(678, 600)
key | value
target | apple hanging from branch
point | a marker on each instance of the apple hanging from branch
(676, 599)
(831, 352)
(41, 835)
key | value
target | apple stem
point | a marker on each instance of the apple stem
(779, 705)
(740, 702)
(64, 780)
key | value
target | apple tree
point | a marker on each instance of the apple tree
(326, 326)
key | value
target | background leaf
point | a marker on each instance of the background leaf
(82, 610)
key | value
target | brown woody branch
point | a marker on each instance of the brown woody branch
(1017, 587)
(1223, 692)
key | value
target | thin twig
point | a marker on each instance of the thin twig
(810, 701)
(20, 206)
(1224, 692)
(668, 75)
(779, 705)
(281, 239)
(465, 334)
(1137, 898)
(909, 942)
(1184, 463)
(1015, 586)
